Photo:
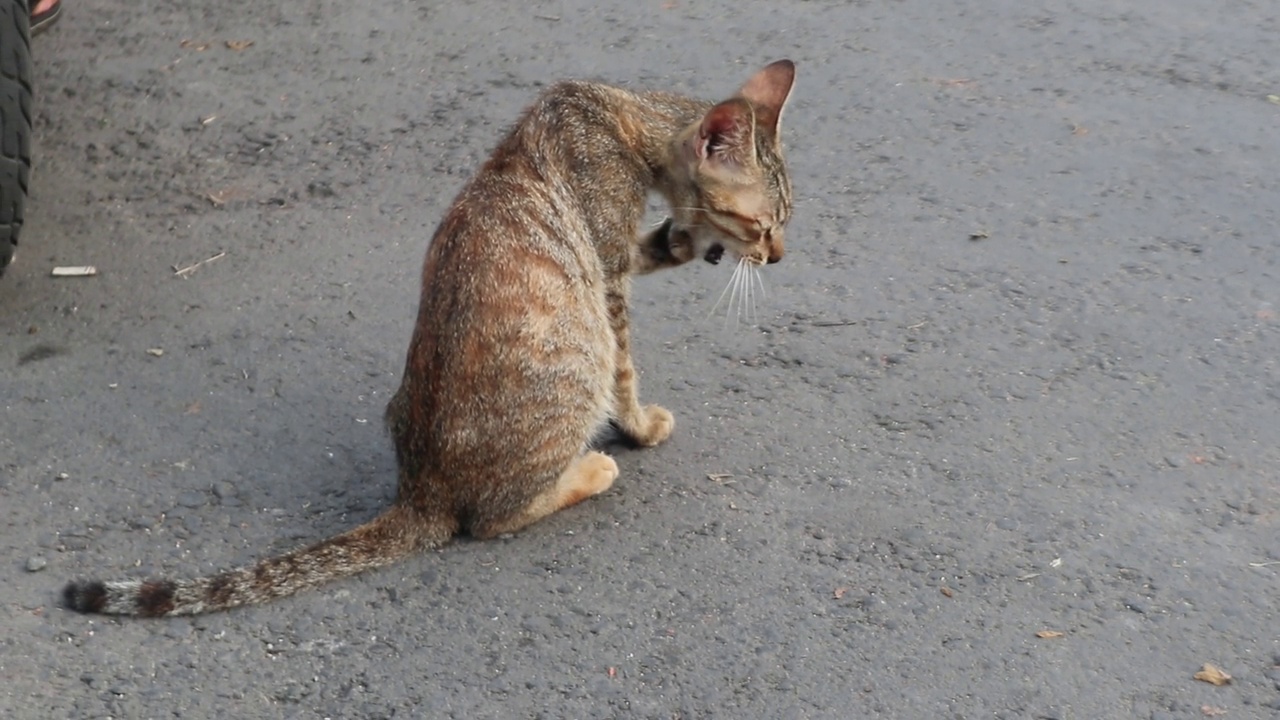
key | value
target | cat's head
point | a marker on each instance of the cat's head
(737, 196)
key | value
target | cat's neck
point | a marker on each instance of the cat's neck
(610, 146)
(649, 124)
(644, 124)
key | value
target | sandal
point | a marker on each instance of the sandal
(41, 21)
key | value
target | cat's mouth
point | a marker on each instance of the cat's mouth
(714, 253)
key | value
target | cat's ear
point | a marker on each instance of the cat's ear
(727, 133)
(768, 90)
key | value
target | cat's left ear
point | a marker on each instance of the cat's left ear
(768, 90)
(726, 134)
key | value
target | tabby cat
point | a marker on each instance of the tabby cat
(521, 350)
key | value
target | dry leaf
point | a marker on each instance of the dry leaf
(194, 45)
(1211, 711)
(239, 44)
(193, 408)
(840, 591)
(1050, 634)
(946, 591)
(1212, 675)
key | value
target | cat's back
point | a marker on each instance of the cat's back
(512, 261)
(525, 207)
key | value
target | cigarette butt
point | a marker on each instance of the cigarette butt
(75, 271)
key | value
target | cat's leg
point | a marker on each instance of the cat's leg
(661, 248)
(647, 425)
(589, 474)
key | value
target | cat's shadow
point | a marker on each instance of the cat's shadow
(610, 439)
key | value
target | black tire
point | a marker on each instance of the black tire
(15, 122)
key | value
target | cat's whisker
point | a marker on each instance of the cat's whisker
(744, 310)
(755, 296)
(735, 299)
(739, 288)
(741, 296)
(759, 276)
(723, 293)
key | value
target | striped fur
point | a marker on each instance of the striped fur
(521, 350)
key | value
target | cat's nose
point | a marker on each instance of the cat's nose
(775, 252)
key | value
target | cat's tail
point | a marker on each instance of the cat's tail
(395, 534)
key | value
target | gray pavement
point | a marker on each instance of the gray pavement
(1018, 372)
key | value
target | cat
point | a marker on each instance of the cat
(521, 349)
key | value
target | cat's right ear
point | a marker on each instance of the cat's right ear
(726, 134)
(769, 90)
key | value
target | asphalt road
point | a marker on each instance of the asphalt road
(1018, 372)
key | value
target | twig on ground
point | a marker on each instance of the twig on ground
(183, 272)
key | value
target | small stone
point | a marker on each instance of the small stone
(320, 188)
(36, 564)
(193, 499)
(224, 490)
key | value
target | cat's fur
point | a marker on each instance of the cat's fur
(521, 350)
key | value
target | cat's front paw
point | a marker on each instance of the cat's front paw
(665, 246)
(680, 245)
(653, 425)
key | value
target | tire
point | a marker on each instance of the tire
(15, 122)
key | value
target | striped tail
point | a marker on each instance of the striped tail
(395, 534)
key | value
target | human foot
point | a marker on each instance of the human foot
(43, 14)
